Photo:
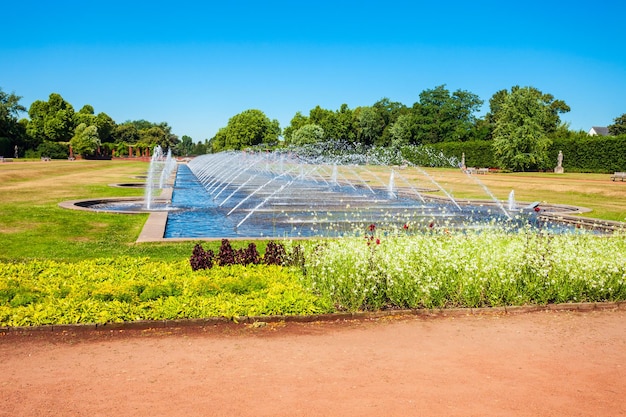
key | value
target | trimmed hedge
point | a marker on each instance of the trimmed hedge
(599, 154)
(478, 153)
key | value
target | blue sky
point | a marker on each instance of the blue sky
(195, 64)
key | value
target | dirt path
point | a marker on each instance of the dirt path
(535, 364)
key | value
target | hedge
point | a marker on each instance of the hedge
(599, 154)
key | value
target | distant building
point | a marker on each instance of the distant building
(599, 131)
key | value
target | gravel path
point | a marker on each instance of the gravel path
(548, 363)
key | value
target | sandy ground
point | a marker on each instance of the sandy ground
(545, 363)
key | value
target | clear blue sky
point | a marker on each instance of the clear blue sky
(195, 64)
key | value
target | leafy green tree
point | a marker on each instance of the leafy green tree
(308, 134)
(201, 148)
(126, 133)
(185, 146)
(250, 128)
(619, 126)
(520, 141)
(443, 117)
(140, 132)
(105, 124)
(549, 118)
(153, 136)
(343, 125)
(106, 127)
(51, 120)
(218, 142)
(10, 109)
(370, 125)
(401, 132)
(12, 132)
(86, 140)
(85, 115)
(296, 123)
(337, 125)
(390, 111)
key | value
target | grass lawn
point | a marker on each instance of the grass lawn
(33, 226)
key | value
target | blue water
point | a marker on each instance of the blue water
(308, 209)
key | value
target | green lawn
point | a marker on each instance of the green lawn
(33, 226)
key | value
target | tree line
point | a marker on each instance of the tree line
(519, 127)
(53, 127)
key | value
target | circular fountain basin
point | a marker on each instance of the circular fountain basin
(129, 205)
(129, 185)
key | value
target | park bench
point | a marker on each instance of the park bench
(618, 176)
(482, 171)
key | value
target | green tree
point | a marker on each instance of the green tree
(12, 132)
(218, 142)
(10, 109)
(308, 134)
(85, 115)
(520, 141)
(370, 125)
(185, 147)
(201, 148)
(106, 127)
(154, 136)
(444, 117)
(619, 126)
(86, 140)
(401, 132)
(51, 120)
(343, 125)
(126, 133)
(140, 132)
(549, 118)
(250, 128)
(390, 111)
(297, 121)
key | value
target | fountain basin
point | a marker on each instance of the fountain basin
(121, 205)
(238, 195)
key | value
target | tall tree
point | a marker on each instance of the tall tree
(444, 117)
(297, 121)
(248, 128)
(106, 127)
(549, 118)
(85, 140)
(51, 120)
(401, 132)
(126, 133)
(308, 134)
(12, 131)
(520, 140)
(343, 126)
(619, 126)
(185, 147)
(10, 109)
(370, 125)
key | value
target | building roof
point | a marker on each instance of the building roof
(599, 130)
